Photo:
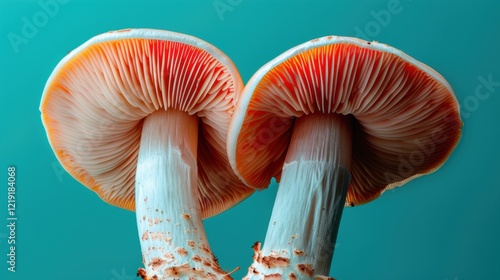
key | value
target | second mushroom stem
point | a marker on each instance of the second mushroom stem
(303, 227)
(169, 217)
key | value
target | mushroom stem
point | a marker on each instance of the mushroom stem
(169, 219)
(303, 228)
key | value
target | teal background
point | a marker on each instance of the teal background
(444, 226)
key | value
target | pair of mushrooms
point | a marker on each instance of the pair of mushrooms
(160, 123)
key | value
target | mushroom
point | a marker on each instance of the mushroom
(337, 121)
(140, 116)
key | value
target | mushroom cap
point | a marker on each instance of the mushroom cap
(95, 100)
(406, 117)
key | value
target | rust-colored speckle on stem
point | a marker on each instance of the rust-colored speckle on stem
(306, 269)
(169, 257)
(176, 270)
(145, 235)
(181, 251)
(253, 270)
(298, 252)
(153, 221)
(141, 272)
(207, 263)
(205, 249)
(168, 240)
(275, 276)
(257, 254)
(196, 258)
(156, 263)
(271, 261)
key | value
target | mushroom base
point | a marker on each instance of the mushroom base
(173, 240)
(303, 228)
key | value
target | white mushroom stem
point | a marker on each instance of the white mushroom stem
(169, 218)
(303, 227)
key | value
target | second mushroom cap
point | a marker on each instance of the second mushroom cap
(406, 120)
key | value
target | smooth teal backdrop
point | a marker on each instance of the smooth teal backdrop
(442, 226)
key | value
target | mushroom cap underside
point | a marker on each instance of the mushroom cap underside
(406, 116)
(96, 98)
